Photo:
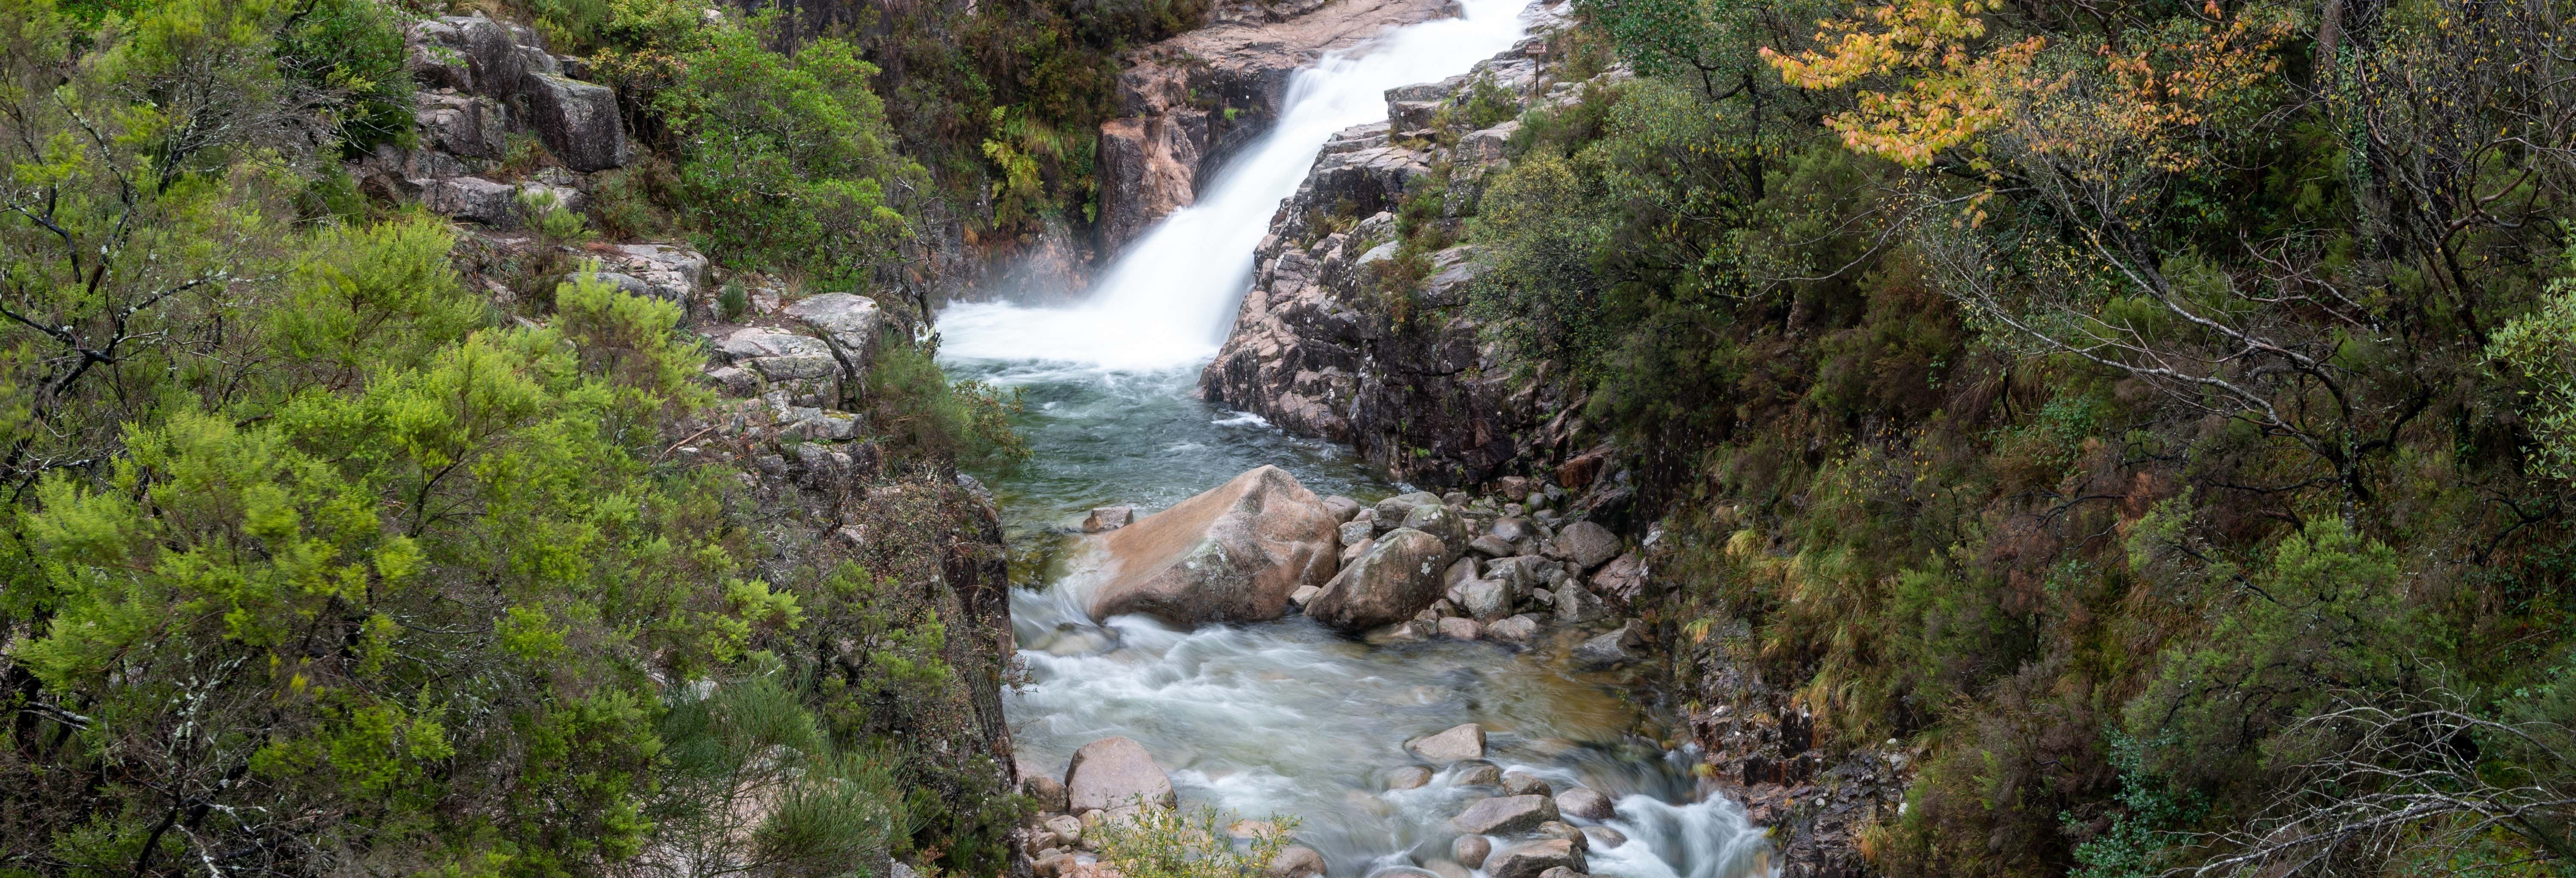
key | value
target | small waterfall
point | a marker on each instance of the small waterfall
(1165, 302)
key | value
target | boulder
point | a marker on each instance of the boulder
(1513, 530)
(1458, 628)
(1614, 648)
(1529, 859)
(1471, 850)
(1563, 830)
(578, 121)
(1491, 546)
(1586, 544)
(1524, 573)
(674, 271)
(1356, 532)
(1586, 803)
(1576, 605)
(1393, 509)
(1486, 600)
(1408, 777)
(1396, 577)
(1504, 815)
(1113, 773)
(778, 355)
(1460, 742)
(850, 322)
(1107, 518)
(1522, 783)
(1044, 788)
(1477, 774)
(1066, 827)
(1440, 521)
(460, 124)
(485, 47)
(1514, 488)
(1622, 581)
(1341, 507)
(1233, 554)
(473, 199)
(1297, 861)
(1521, 629)
(1457, 572)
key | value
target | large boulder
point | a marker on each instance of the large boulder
(1439, 521)
(1233, 554)
(850, 322)
(460, 124)
(1505, 814)
(1586, 544)
(473, 199)
(1396, 578)
(778, 355)
(1528, 859)
(1587, 803)
(578, 121)
(1113, 773)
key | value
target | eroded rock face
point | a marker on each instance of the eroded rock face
(1233, 554)
(1396, 578)
(1113, 773)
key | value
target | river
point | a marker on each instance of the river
(1284, 718)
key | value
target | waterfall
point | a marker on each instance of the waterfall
(1165, 302)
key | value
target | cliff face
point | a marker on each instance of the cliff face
(1188, 102)
(1356, 327)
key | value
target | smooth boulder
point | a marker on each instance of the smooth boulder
(1233, 554)
(1394, 579)
(1113, 773)
(1461, 742)
(1586, 803)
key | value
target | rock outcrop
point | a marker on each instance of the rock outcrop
(1188, 102)
(481, 81)
(1323, 346)
(1232, 554)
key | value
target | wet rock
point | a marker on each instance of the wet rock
(1397, 576)
(1559, 829)
(1622, 581)
(1232, 554)
(1611, 649)
(1604, 838)
(1113, 773)
(1586, 544)
(850, 322)
(1466, 741)
(1252, 829)
(1480, 774)
(1521, 629)
(1342, 508)
(1297, 861)
(1458, 628)
(1586, 803)
(1576, 605)
(1107, 518)
(578, 121)
(1505, 814)
(1490, 546)
(1471, 850)
(1529, 859)
(1522, 783)
(1408, 777)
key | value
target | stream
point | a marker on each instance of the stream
(1285, 717)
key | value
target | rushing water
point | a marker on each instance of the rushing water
(1284, 717)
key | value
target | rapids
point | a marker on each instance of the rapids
(1283, 718)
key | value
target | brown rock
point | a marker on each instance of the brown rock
(1622, 581)
(1460, 628)
(1232, 554)
(1586, 803)
(1471, 850)
(1297, 861)
(1113, 773)
(1529, 859)
(1408, 777)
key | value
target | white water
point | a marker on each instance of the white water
(1164, 303)
(1286, 718)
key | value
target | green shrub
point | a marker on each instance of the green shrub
(920, 411)
(1158, 842)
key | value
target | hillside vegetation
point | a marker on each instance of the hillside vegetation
(2155, 416)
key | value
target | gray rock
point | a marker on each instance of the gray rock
(578, 121)
(1563, 830)
(1477, 774)
(1512, 530)
(1408, 777)
(1234, 553)
(1471, 850)
(473, 199)
(1465, 741)
(1356, 532)
(1396, 577)
(1586, 803)
(630, 284)
(1066, 827)
(1486, 600)
(1521, 629)
(1587, 544)
(1393, 509)
(734, 381)
(1505, 814)
(1439, 521)
(1611, 649)
(778, 355)
(1529, 859)
(1576, 605)
(1108, 518)
(1604, 838)
(460, 124)
(1522, 783)
(1525, 573)
(1457, 572)
(850, 322)
(1113, 773)
(1491, 546)
(1297, 861)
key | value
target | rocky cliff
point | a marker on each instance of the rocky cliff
(1356, 327)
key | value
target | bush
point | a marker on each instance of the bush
(919, 411)
(1157, 842)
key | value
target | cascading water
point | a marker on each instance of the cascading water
(1284, 717)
